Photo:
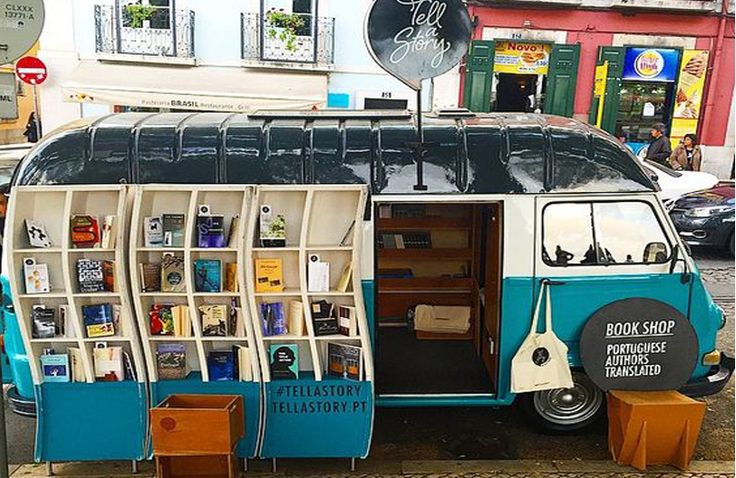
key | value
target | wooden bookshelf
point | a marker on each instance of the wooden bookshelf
(228, 201)
(428, 253)
(54, 206)
(423, 223)
(317, 219)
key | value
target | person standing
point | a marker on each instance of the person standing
(687, 155)
(659, 149)
(32, 132)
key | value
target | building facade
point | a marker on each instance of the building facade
(670, 62)
(16, 104)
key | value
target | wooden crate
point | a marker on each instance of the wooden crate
(209, 466)
(197, 425)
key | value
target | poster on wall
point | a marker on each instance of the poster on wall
(521, 58)
(689, 94)
(651, 64)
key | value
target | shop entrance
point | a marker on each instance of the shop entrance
(438, 268)
(517, 93)
(642, 104)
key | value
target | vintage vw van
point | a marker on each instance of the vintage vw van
(500, 203)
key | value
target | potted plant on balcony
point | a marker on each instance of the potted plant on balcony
(137, 13)
(284, 26)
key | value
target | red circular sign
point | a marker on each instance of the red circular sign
(31, 70)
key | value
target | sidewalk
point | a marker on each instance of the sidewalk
(406, 469)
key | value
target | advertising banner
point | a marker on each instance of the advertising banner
(522, 58)
(689, 96)
(8, 98)
(651, 64)
(599, 90)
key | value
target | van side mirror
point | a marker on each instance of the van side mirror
(656, 252)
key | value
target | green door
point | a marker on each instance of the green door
(615, 57)
(478, 75)
(561, 79)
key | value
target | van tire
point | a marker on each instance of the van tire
(580, 407)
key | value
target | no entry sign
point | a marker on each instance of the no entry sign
(31, 70)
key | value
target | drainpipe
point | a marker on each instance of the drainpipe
(714, 70)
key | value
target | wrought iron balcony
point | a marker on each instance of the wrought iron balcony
(289, 38)
(162, 32)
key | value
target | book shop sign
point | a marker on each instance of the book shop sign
(417, 39)
(638, 344)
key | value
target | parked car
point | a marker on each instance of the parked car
(706, 218)
(677, 183)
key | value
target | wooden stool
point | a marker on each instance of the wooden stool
(653, 428)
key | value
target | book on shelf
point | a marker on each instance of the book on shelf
(232, 317)
(323, 318)
(90, 276)
(269, 275)
(173, 227)
(44, 322)
(150, 276)
(98, 320)
(210, 229)
(36, 276)
(244, 364)
(214, 320)
(108, 275)
(118, 326)
(161, 319)
(347, 320)
(272, 228)
(396, 273)
(109, 232)
(318, 274)
(207, 275)
(129, 369)
(221, 365)
(153, 231)
(408, 210)
(345, 278)
(347, 237)
(284, 361)
(296, 318)
(76, 366)
(272, 319)
(108, 363)
(239, 325)
(233, 233)
(172, 273)
(384, 211)
(85, 231)
(182, 320)
(65, 321)
(405, 240)
(55, 367)
(171, 361)
(37, 235)
(231, 277)
(344, 361)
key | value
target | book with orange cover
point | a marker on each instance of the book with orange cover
(269, 275)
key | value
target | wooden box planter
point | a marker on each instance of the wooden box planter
(197, 425)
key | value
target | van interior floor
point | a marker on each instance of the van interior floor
(410, 366)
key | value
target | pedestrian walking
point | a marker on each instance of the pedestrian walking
(687, 155)
(659, 148)
(32, 131)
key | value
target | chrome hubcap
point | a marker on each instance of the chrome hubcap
(568, 406)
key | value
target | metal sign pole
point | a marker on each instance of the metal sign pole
(36, 117)
(420, 150)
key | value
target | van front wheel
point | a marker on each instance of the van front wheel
(564, 410)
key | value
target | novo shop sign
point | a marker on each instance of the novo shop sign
(651, 64)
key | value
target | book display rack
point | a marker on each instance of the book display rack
(302, 278)
(65, 249)
(196, 334)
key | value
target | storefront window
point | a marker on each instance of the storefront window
(642, 104)
(602, 233)
(160, 18)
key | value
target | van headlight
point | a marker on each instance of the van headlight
(706, 211)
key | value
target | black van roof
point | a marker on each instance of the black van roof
(480, 154)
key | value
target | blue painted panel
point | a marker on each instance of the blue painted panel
(19, 370)
(706, 318)
(328, 419)
(251, 392)
(91, 421)
(338, 100)
(369, 298)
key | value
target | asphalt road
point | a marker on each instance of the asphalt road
(504, 434)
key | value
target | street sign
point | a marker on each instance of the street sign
(417, 39)
(31, 70)
(8, 96)
(638, 344)
(21, 22)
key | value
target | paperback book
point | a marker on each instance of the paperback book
(347, 321)
(171, 361)
(173, 226)
(207, 275)
(243, 363)
(98, 320)
(344, 361)
(44, 323)
(172, 273)
(296, 318)
(318, 274)
(323, 318)
(65, 321)
(272, 230)
(273, 320)
(55, 367)
(108, 363)
(231, 277)
(345, 278)
(76, 366)
(161, 319)
(85, 231)
(90, 275)
(214, 320)
(36, 276)
(221, 365)
(284, 361)
(210, 231)
(153, 231)
(37, 235)
(150, 276)
(109, 232)
(233, 233)
(182, 320)
(269, 275)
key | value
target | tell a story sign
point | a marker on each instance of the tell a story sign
(415, 40)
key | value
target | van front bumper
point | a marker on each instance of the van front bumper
(713, 382)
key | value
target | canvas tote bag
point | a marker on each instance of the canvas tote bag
(541, 361)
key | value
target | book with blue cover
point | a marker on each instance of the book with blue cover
(210, 231)
(55, 367)
(207, 275)
(273, 319)
(221, 365)
(98, 320)
(284, 361)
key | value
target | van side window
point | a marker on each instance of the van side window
(602, 233)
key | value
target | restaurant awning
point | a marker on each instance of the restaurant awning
(203, 88)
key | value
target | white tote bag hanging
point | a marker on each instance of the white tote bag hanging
(541, 361)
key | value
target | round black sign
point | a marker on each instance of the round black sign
(638, 344)
(417, 39)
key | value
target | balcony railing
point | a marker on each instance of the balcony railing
(166, 32)
(309, 39)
